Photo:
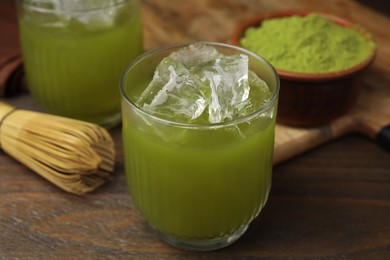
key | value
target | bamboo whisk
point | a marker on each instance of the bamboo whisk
(74, 155)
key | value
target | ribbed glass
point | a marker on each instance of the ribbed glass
(199, 186)
(74, 53)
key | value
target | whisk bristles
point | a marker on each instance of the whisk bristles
(76, 156)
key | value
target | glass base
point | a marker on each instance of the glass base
(203, 244)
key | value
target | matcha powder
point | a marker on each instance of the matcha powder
(308, 44)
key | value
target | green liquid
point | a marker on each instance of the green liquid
(198, 184)
(74, 70)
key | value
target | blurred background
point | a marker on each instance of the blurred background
(382, 6)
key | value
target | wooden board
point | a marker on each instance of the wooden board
(369, 116)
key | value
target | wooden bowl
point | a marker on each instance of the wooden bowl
(310, 99)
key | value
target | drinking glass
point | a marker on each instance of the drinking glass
(75, 51)
(198, 185)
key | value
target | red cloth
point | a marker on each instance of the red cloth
(11, 66)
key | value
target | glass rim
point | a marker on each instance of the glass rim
(235, 121)
(42, 9)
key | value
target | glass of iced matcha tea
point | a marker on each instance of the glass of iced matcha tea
(75, 51)
(198, 132)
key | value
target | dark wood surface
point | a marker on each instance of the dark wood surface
(332, 202)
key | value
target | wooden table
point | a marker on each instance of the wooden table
(332, 202)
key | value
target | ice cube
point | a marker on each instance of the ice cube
(259, 94)
(173, 93)
(94, 15)
(98, 20)
(227, 78)
(195, 54)
(203, 88)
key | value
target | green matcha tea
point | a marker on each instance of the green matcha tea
(199, 170)
(73, 58)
